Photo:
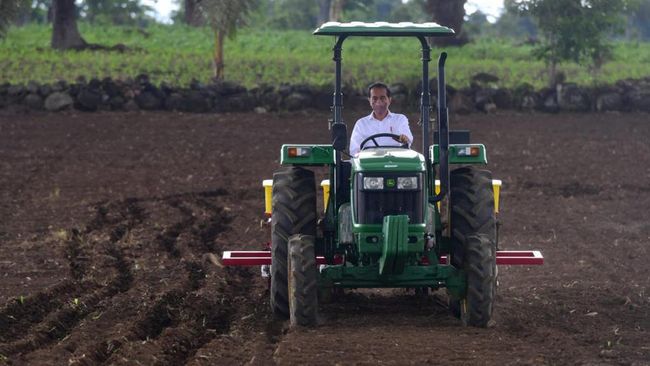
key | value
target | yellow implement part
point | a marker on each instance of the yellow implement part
(268, 191)
(496, 188)
(325, 184)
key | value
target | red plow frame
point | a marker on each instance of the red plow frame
(263, 257)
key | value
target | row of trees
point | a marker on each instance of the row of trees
(223, 16)
(571, 30)
(118, 12)
(309, 14)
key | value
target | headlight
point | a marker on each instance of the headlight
(373, 183)
(407, 182)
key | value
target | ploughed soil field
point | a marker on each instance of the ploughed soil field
(112, 226)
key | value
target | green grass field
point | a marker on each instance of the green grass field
(177, 54)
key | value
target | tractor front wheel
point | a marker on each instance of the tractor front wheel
(303, 281)
(480, 266)
(294, 212)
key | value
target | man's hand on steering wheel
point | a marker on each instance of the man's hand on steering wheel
(399, 138)
(403, 139)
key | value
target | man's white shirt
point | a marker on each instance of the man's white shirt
(367, 126)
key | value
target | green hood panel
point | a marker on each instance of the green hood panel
(389, 159)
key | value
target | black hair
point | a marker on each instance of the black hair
(379, 85)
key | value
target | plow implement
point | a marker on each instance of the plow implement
(263, 257)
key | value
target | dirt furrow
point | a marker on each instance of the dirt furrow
(181, 319)
(179, 322)
(167, 239)
(87, 294)
(58, 325)
(204, 316)
(19, 315)
(207, 231)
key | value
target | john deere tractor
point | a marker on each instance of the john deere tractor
(394, 217)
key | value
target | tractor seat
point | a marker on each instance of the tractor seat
(343, 181)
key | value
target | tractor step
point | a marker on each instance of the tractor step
(263, 257)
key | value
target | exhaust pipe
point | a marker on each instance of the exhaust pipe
(443, 130)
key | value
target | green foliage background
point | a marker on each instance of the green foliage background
(178, 54)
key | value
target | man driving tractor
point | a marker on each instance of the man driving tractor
(381, 120)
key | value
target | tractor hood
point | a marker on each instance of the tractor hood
(389, 159)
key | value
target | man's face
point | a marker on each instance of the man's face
(379, 100)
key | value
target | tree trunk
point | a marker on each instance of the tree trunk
(450, 13)
(336, 9)
(24, 16)
(65, 34)
(191, 13)
(218, 55)
(552, 71)
(323, 11)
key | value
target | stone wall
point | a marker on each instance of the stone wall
(483, 95)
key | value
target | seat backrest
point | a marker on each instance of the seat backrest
(343, 182)
(455, 137)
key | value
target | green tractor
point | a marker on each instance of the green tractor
(394, 217)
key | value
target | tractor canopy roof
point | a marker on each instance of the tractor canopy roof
(383, 29)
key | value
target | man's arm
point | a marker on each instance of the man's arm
(405, 131)
(355, 140)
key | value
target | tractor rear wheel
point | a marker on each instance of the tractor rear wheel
(294, 212)
(303, 281)
(473, 224)
(472, 208)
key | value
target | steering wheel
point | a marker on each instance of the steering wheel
(373, 137)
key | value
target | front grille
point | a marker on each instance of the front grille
(372, 206)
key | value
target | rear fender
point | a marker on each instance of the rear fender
(307, 155)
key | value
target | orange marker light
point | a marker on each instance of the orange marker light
(472, 151)
(294, 152)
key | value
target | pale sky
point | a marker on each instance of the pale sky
(490, 7)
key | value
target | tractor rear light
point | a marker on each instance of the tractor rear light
(407, 182)
(294, 152)
(373, 182)
(468, 151)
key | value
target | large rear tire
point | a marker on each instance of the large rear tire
(474, 243)
(294, 212)
(303, 281)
